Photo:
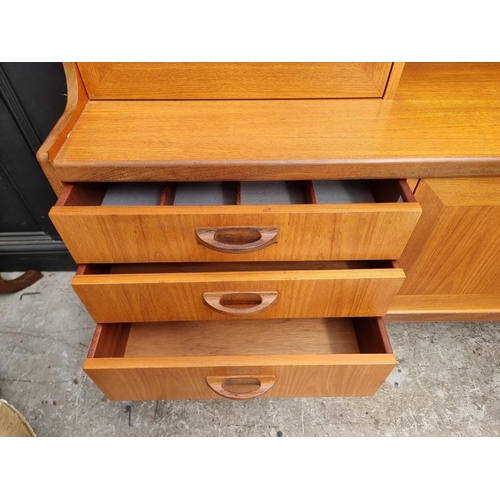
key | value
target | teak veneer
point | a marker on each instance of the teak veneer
(334, 357)
(351, 191)
(170, 233)
(181, 296)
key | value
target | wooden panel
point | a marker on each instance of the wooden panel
(424, 134)
(445, 308)
(234, 80)
(297, 375)
(379, 73)
(163, 234)
(371, 335)
(454, 248)
(77, 100)
(393, 81)
(112, 343)
(256, 337)
(450, 81)
(113, 298)
(127, 382)
(412, 184)
(93, 74)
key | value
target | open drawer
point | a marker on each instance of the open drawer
(247, 221)
(240, 360)
(124, 293)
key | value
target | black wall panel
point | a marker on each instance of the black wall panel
(32, 98)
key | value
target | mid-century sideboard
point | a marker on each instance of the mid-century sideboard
(245, 229)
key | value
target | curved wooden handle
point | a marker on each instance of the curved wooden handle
(240, 303)
(237, 239)
(234, 386)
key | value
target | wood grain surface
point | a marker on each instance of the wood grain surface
(169, 138)
(256, 337)
(394, 79)
(77, 100)
(167, 234)
(165, 376)
(474, 307)
(426, 131)
(454, 249)
(180, 296)
(251, 80)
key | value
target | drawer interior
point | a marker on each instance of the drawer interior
(253, 337)
(236, 193)
(212, 267)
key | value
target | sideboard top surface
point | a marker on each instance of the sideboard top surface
(444, 121)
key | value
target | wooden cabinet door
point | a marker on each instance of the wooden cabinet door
(452, 260)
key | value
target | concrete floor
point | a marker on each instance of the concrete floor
(447, 383)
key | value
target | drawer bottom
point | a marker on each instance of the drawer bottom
(240, 360)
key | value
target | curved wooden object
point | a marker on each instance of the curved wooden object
(239, 303)
(77, 100)
(233, 386)
(237, 239)
(19, 283)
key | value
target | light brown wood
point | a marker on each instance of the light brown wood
(393, 81)
(443, 121)
(169, 376)
(113, 340)
(250, 338)
(379, 73)
(76, 102)
(422, 133)
(95, 234)
(272, 80)
(113, 298)
(93, 74)
(450, 81)
(412, 184)
(444, 308)
(454, 248)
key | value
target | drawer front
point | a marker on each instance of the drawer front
(294, 232)
(320, 365)
(247, 294)
(133, 382)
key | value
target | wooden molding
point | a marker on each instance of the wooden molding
(93, 74)
(77, 100)
(444, 308)
(378, 73)
(393, 81)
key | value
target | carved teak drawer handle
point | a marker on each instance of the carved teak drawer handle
(239, 303)
(237, 239)
(241, 386)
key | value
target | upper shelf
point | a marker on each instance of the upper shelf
(444, 121)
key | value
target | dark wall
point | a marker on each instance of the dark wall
(32, 98)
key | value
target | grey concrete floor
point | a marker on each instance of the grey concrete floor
(446, 383)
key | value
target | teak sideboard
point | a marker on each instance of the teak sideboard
(245, 229)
